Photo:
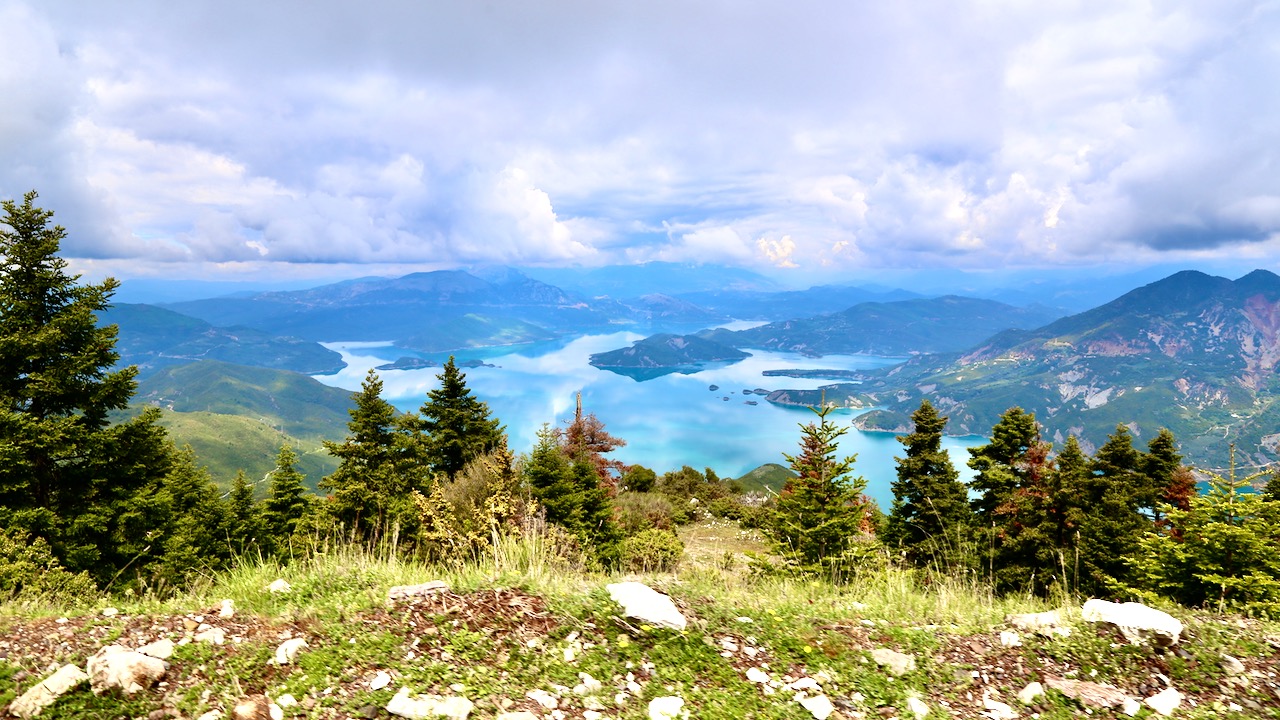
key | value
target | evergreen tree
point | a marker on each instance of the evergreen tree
(379, 467)
(286, 505)
(196, 539)
(245, 531)
(571, 493)
(456, 425)
(586, 438)
(930, 513)
(1225, 551)
(819, 514)
(1000, 467)
(1108, 514)
(67, 474)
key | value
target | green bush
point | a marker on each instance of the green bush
(746, 515)
(652, 551)
(28, 571)
(638, 511)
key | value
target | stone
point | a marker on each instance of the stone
(643, 603)
(670, 707)
(997, 710)
(212, 635)
(256, 707)
(895, 662)
(1130, 707)
(1232, 665)
(1089, 694)
(819, 706)
(110, 612)
(519, 715)
(379, 681)
(212, 715)
(544, 698)
(917, 707)
(1165, 701)
(161, 649)
(1009, 638)
(587, 685)
(411, 593)
(286, 700)
(1137, 622)
(1032, 692)
(1043, 623)
(804, 684)
(116, 668)
(226, 609)
(279, 586)
(426, 707)
(289, 650)
(47, 691)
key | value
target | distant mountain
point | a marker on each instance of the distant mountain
(659, 355)
(236, 416)
(434, 310)
(152, 337)
(1192, 352)
(784, 305)
(932, 325)
(629, 281)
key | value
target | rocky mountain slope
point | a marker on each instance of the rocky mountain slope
(1191, 352)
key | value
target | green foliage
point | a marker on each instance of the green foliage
(246, 530)
(637, 511)
(930, 516)
(199, 536)
(456, 424)
(572, 496)
(67, 474)
(379, 467)
(286, 505)
(819, 514)
(1219, 551)
(1000, 465)
(1108, 514)
(463, 517)
(638, 478)
(28, 571)
(652, 550)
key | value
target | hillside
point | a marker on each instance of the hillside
(237, 416)
(665, 353)
(1191, 352)
(923, 325)
(152, 337)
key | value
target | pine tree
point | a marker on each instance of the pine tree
(196, 539)
(571, 493)
(930, 513)
(286, 505)
(819, 514)
(585, 437)
(1108, 514)
(1000, 466)
(67, 474)
(456, 425)
(245, 531)
(379, 467)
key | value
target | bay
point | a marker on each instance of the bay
(667, 422)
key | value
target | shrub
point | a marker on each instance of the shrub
(637, 511)
(652, 551)
(28, 570)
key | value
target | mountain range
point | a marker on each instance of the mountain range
(1192, 352)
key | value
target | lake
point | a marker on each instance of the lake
(667, 422)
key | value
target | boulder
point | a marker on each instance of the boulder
(161, 649)
(1165, 701)
(289, 650)
(670, 707)
(895, 662)
(116, 668)
(917, 707)
(1032, 692)
(1088, 694)
(1137, 622)
(47, 691)
(429, 707)
(645, 604)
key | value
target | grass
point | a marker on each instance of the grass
(521, 618)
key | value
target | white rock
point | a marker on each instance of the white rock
(744, 619)
(212, 635)
(667, 708)
(804, 684)
(1009, 638)
(256, 707)
(1130, 707)
(588, 684)
(47, 691)
(1041, 622)
(212, 715)
(162, 649)
(379, 681)
(592, 715)
(756, 675)
(895, 662)
(518, 715)
(645, 604)
(425, 707)
(818, 706)
(1165, 701)
(997, 710)
(544, 698)
(286, 700)
(917, 707)
(1137, 622)
(110, 612)
(1232, 665)
(279, 585)
(288, 650)
(1031, 692)
(114, 667)
(410, 593)
(226, 609)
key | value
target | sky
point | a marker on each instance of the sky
(289, 139)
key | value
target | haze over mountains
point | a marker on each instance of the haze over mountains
(1192, 352)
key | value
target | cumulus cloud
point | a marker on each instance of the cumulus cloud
(840, 136)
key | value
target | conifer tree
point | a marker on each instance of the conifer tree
(286, 504)
(572, 494)
(67, 474)
(196, 539)
(1000, 467)
(586, 438)
(245, 531)
(930, 512)
(456, 425)
(819, 514)
(379, 466)
(1108, 514)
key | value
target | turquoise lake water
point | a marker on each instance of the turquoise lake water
(668, 422)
